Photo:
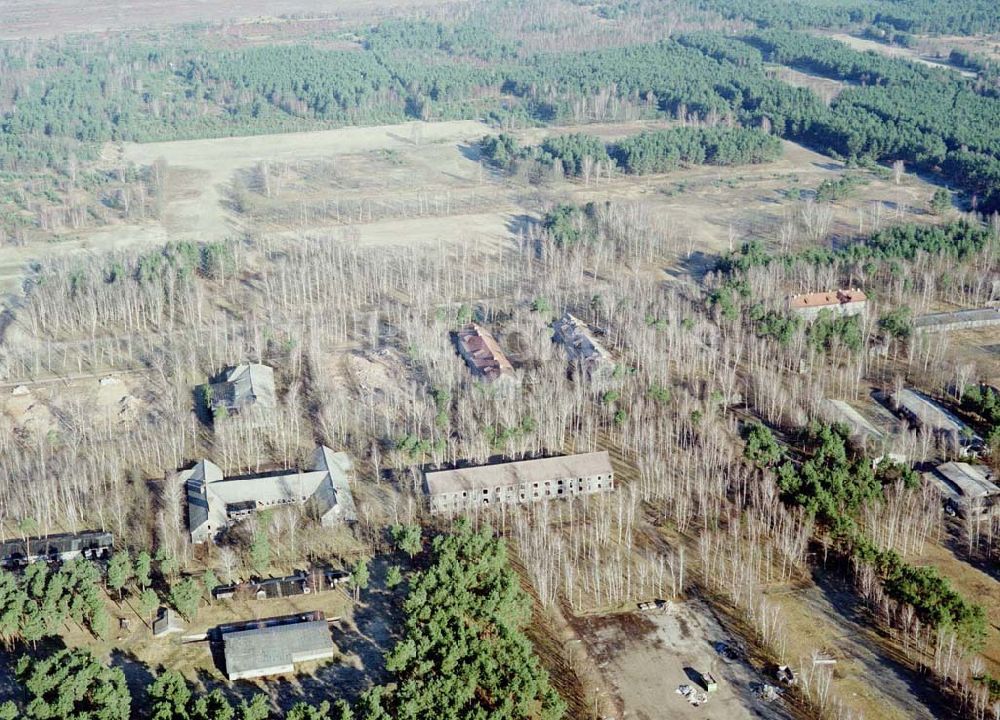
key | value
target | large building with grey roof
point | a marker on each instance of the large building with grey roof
(244, 386)
(216, 501)
(966, 484)
(524, 481)
(927, 413)
(957, 320)
(584, 352)
(273, 646)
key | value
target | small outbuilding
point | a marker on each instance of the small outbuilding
(243, 386)
(166, 623)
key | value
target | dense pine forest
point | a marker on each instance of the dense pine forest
(59, 100)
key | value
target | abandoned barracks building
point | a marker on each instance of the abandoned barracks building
(215, 502)
(841, 302)
(524, 481)
(273, 646)
(967, 486)
(583, 350)
(241, 387)
(482, 354)
(19, 552)
(925, 412)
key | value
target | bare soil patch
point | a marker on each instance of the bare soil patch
(646, 657)
(895, 51)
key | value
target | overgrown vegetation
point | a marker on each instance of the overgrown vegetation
(833, 483)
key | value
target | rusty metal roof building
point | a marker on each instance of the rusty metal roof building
(482, 353)
(826, 299)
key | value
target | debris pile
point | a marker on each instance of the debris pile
(765, 691)
(694, 696)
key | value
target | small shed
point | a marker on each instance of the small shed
(711, 684)
(166, 623)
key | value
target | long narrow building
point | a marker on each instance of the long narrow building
(17, 552)
(525, 481)
(482, 354)
(274, 646)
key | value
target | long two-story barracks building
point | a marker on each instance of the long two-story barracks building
(524, 481)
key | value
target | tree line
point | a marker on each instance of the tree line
(649, 152)
(60, 100)
(833, 482)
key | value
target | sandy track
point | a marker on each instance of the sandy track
(47, 18)
(222, 156)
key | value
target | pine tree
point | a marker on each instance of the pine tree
(210, 581)
(120, 570)
(305, 711)
(359, 577)
(73, 685)
(260, 548)
(393, 576)
(148, 602)
(407, 538)
(143, 570)
(185, 596)
(170, 696)
(256, 709)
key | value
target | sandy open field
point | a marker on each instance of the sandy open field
(47, 18)
(646, 657)
(895, 51)
(424, 183)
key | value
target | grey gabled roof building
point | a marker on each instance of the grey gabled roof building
(64, 546)
(274, 646)
(243, 386)
(583, 350)
(965, 483)
(930, 414)
(216, 501)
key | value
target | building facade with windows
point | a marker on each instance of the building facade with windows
(524, 481)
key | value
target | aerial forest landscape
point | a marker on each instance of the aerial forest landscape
(500, 360)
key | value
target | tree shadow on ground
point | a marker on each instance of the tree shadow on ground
(374, 631)
(910, 688)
